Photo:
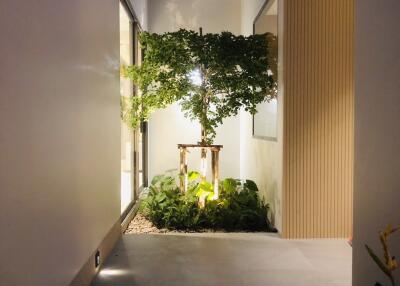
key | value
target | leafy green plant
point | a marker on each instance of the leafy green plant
(212, 76)
(239, 207)
(205, 191)
(389, 264)
(166, 207)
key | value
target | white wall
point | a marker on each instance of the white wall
(213, 16)
(377, 138)
(59, 136)
(140, 8)
(261, 160)
(169, 127)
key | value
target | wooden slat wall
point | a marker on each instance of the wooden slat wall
(318, 118)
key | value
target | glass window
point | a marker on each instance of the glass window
(133, 142)
(126, 90)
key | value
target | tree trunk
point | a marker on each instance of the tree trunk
(203, 156)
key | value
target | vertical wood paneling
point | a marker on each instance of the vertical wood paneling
(318, 118)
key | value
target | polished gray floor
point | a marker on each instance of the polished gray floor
(226, 259)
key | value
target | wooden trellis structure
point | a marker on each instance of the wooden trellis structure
(183, 167)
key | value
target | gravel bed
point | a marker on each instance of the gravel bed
(140, 224)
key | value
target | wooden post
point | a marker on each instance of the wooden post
(203, 163)
(215, 171)
(183, 169)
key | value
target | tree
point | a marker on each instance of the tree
(212, 76)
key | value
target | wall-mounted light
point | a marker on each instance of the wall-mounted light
(97, 259)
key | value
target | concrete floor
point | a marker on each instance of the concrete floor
(226, 259)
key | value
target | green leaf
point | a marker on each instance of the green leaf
(378, 262)
(210, 196)
(205, 186)
(160, 197)
(205, 190)
(230, 185)
(251, 186)
(156, 179)
(193, 175)
(202, 193)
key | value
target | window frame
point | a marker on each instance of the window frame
(136, 29)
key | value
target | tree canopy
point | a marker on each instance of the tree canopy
(212, 76)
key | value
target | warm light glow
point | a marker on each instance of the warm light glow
(112, 272)
(216, 192)
(195, 77)
(203, 167)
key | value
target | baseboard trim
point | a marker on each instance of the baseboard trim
(88, 270)
(128, 218)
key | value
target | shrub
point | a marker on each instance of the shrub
(239, 207)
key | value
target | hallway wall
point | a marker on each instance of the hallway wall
(59, 136)
(261, 160)
(168, 127)
(307, 175)
(377, 137)
(318, 118)
(141, 7)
